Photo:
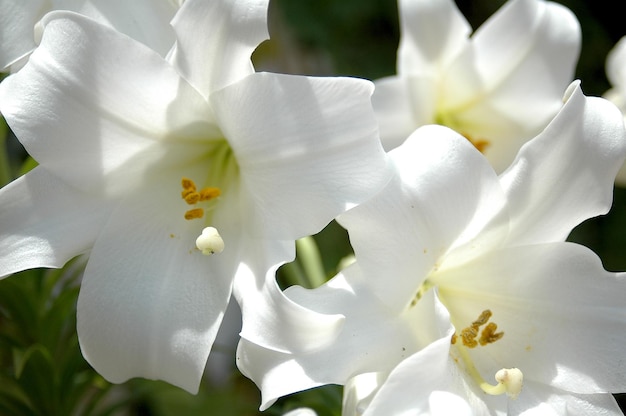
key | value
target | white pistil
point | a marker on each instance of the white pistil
(510, 380)
(210, 241)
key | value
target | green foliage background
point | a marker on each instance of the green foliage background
(41, 369)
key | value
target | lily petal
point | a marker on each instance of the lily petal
(307, 149)
(150, 303)
(443, 194)
(561, 313)
(147, 21)
(586, 145)
(513, 73)
(16, 29)
(116, 111)
(526, 42)
(540, 400)
(44, 222)
(215, 40)
(433, 33)
(269, 317)
(372, 341)
(402, 103)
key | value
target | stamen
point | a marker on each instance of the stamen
(480, 144)
(192, 197)
(210, 241)
(489, 334)
(188, 184)
(207, 194)
(193, 214)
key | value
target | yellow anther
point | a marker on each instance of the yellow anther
(489, 334)
(207, 194)
(480, 144)
(194, 213)
(192, 197)
(468, 336)
(482, 319)
(188, 184)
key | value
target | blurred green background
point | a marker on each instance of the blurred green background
(42, 371)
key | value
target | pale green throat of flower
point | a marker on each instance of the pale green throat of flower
(509, 380)
(448, 120)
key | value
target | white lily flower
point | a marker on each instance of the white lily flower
(499, 88)
(465, 297)
(138, 155)
(616, 74)
(144, 20)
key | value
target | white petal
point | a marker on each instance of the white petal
(402, 104)
(270, 319)
(150, 303)
(370, 340)
(541, 400)
(444, 193)
(433, 33)
(17, 21)
(508, 84)
(147, 21)
(615, 71)
(44, 222)
(215, 40)
(565, 175)
(83, 114)
(425, 382)
(561, 313)
(307, 149)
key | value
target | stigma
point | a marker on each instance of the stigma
(210, 241)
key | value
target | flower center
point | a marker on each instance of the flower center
(192, 197)
(448, 120)
(510, 380)
(210, 241)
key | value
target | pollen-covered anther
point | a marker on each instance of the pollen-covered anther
(512, 379)
(193, 214)
(489, 334)
(188, 184)
(210, 241)
(192, 197)
(206, 194)
(468, 336)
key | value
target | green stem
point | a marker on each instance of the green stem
(311, 261)
(5, 167)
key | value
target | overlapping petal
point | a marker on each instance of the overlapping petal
(292, 138)
(214, 41)
(553, 341)
(44, 222)
(433, 33)
(146, 21)
(443, 195)
(110, 111)
(370, 342)
(585, 145)
(150, 303)
(16, 28)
